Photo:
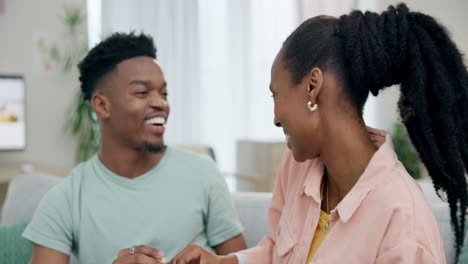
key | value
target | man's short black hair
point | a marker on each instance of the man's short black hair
(108, 53)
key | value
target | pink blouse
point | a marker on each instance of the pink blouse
(383, 219)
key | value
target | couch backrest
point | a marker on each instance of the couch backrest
(252, 208)
(25, 192)
(23, 196)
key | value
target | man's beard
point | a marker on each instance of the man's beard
(151, 148)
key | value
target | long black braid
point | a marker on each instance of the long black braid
(370, 52)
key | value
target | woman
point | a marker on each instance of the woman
(341, 194)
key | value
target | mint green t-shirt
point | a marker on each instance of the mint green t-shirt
(95, 213)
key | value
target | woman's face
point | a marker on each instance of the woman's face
(300, 125)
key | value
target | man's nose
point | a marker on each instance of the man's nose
(158, 101)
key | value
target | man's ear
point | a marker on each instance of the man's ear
(101, 105)
(314, 87)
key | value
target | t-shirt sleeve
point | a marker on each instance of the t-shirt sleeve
(51, 225)
(222, 221)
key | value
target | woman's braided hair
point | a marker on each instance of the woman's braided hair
(369, 52)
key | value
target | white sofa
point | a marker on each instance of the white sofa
(25, 192)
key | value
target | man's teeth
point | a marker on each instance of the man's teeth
(156, 121)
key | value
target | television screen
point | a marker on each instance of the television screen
(12, 113)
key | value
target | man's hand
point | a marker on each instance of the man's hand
(195, 254)
(140, 255)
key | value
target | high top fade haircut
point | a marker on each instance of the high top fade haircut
(369, 52)
(104, 57)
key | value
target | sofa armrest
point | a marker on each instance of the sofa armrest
(252, 208)
(23, 196)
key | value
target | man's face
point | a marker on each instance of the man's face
(137, 96)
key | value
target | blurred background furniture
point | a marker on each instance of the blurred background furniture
(257, 162)
(9, 171)
(199, 149)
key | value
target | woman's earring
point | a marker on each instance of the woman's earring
(312, 108)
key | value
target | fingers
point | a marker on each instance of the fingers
(193, 254)
(136, 259)
(145, 250)
(140, 255)
(190, 254)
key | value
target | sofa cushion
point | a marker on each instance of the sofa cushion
(464, 254)
(13, 247)
(441, 213)
(23, 196)
(25, 192)
(252, 208)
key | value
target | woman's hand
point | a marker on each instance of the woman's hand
(195, 254)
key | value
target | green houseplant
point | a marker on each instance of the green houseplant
(80, 118)
(73, 46)
(405, 150)
(82, 122)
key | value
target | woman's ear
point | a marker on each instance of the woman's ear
(101, 105)
(315, 81)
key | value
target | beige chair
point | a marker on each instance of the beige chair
(258, 162)
(199, 149)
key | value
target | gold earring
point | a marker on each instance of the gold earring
(312, 108)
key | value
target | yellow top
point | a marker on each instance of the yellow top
(319, 236)
(320, 233)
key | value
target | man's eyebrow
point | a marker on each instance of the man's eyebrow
(142, 82)
(145, 82)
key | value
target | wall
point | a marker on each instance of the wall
(48, 94)
(381, 111)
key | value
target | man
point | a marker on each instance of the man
(135, 191)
